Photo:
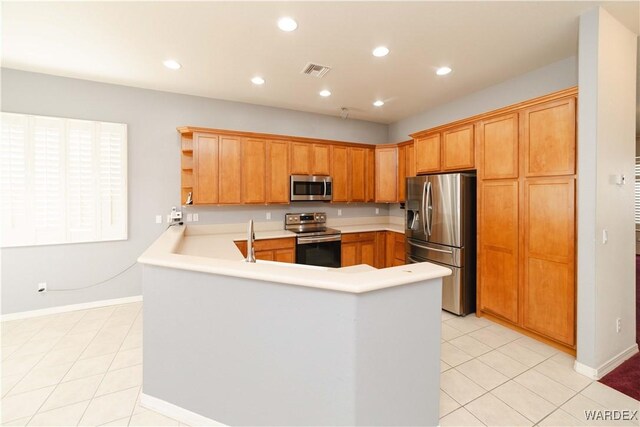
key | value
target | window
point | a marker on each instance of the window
(637, 189)
(62, 180)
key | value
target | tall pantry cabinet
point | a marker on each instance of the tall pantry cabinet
(526, 220)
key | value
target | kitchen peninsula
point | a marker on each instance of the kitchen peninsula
(285, 344)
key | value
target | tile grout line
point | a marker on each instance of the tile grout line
(105, 374)
(510, 379)
(44, 354)
(74, 362)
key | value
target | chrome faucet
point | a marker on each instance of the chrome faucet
(251, 238)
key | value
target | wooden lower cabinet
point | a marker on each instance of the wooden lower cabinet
(359, 248)
(281, 250)
(526, 255)
(498, 248)
(548, 300)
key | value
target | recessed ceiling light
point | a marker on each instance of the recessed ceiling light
(378, 103)
(287, 24)
(443, 71)
(172, 64)
(257, 80)
(325, 93)
(380, 51)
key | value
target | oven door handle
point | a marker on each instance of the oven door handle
(309, 240)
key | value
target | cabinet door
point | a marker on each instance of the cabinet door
(458, 148)
(402, 173)
(349, 253)
(357, 174)
(428, 153)
(389, 249)
(498, 248)
(254, 174)
(230, 166)
(381, 244)
(399, 250)
(411, 160)
(371, 174)
(498, 147)
(368, 252)
(285, 255)
(549, 138)
(278, 172)
(300, 158)
(339, 173)
(549, 258)
(321, 163)
(386, 174)
(205, 169)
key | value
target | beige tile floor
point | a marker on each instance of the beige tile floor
(85, 368)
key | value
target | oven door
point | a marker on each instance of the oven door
(323, 251)
(306, 187)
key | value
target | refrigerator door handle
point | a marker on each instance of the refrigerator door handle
(429, 248)
(429, 208)
(424, 208)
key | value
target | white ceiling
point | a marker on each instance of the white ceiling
(221, 45)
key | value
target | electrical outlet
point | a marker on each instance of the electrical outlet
(158, 219)
(377, 211)
(618, 325)
(605, 237)
(42, 287)
(168, 218)
(268, 215)
(195, 217)
(339, 212)
(189, 217)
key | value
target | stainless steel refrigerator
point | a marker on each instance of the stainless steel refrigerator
(440, 227)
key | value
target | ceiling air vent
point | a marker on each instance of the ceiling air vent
(315, 70)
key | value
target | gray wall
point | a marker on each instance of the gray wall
(606, 271)
(553, 77)
(245, 352)
(154, 176)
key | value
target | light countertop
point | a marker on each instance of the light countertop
(211, 249)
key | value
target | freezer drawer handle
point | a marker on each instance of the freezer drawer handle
(430, 249)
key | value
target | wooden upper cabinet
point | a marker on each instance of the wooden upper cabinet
(278, 172)
(386, 174)
(301, 153)
(498, 147)
(549, 257)
(339, 173)
(229, 164)
(402, 173)
(254, 173)
(321, 159)
(205, 168)
(498, 248)
(357, 174)
(410, 156)
(371, 174)
(458, 148)
(549, 138)
(428, 153)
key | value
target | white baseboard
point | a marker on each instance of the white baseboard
(71, 307)
(606, 367)
(176, 412)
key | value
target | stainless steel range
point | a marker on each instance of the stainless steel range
(316, 244)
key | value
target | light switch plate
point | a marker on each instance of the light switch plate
(195, 217)
(158, 219)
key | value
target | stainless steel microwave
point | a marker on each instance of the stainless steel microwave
(311, 187)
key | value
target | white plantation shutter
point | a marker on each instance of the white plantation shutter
(112, 179)
(637, 188)
(62, 180)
